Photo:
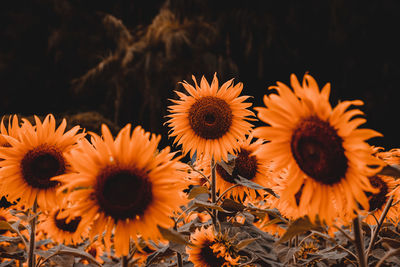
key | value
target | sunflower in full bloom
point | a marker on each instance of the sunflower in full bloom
(124, 186)
(33, 158)
(377, 201)
(386, 186)
(211, 119)
(248, 163)
(211, 249)
(326, 154)
(61, 228)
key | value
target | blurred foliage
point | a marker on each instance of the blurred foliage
(123, 58)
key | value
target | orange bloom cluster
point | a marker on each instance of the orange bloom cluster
(307, 159)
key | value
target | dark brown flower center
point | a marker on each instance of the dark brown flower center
(245, 165)
(378, 200)
(224, 174)
(208, 257)
(92, 251)
(123, 193)
(62, 224)
(210, 117)
(318, 151)
(42, 163)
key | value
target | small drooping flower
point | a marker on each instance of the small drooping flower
(61, 228)
(211, 119)
(34, 156)
(248, 163)
(386, 186)
(125, 186)
(211, 249)
(326, 154)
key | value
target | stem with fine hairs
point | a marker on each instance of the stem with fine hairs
(379, 225)
(213, 193)
(31, 252)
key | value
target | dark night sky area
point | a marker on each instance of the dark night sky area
(69, 57)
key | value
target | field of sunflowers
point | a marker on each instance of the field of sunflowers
(304, 189)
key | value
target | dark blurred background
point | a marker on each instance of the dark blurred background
(119, 61)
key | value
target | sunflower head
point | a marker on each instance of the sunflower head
(247, 163)
(61, 227)
(125, 185)
(211, 249)
(210, 119)
(96, 249)
(34, 158)
(324, 151)
(385, 187)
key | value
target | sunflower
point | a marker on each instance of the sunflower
(210, 119)
(61, 228)
(378, 200)
(386, 186)
(96, 249)
(211, 249)
(12, 131)
(124, 186)
(33, 158)
(248, 163)
(326, 154)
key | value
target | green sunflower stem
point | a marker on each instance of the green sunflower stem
(213, 193)
(359, 241)
(31, 252)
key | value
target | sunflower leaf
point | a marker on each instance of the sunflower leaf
(391, 170)
(173, 236)
(299, 226)
(231, 205)
(62, 255)
(195, 191)
(243, 243)
(10, 239)
(273, 221)
(247, 183)
(205, 204)
(393, 243)
(18, 255)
